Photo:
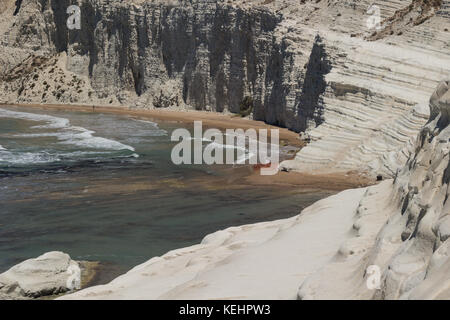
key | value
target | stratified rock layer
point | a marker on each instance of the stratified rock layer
(359, 97)
(400, 228)
(311, 66)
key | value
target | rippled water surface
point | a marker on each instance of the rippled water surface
(102, 187)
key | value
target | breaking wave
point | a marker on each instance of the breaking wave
(82, 140)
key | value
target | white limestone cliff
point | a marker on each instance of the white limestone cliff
(311, 66)
(358, 96)
(400, 226)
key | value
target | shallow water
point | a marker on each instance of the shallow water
(102, 187)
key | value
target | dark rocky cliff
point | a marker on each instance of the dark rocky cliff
(204, 54)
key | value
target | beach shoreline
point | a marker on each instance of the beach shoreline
(244, 177)
(338, 181)
(210, 119)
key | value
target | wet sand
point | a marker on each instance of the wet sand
(310, 182)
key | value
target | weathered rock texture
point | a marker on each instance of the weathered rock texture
(376, 98)
(359, 96)
(400, 227)
(306, 65)
(49, 274)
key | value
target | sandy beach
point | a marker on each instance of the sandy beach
(308, 181)
(210, 119)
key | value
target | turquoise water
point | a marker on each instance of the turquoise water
(102, 187)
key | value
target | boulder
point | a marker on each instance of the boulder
(51, 273)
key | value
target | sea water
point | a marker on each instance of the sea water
(102, 187)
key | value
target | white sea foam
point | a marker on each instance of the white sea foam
(66, 134)
(244, 153)
(1, 148)
(225, 146)
(202, 139)
(28, 157)
(97, 143)
(84, 138)
(148, 122)
(157, 130)
(52, 122)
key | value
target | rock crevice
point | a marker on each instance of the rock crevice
(359, 103)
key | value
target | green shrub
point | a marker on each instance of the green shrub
(246, 107)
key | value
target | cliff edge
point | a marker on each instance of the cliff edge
(356, 91)
(400, 228)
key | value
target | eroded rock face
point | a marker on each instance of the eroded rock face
(300, 63)
(305, 65)
(422, 188)
(401, 227)
(49, 274)
(213, 55)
